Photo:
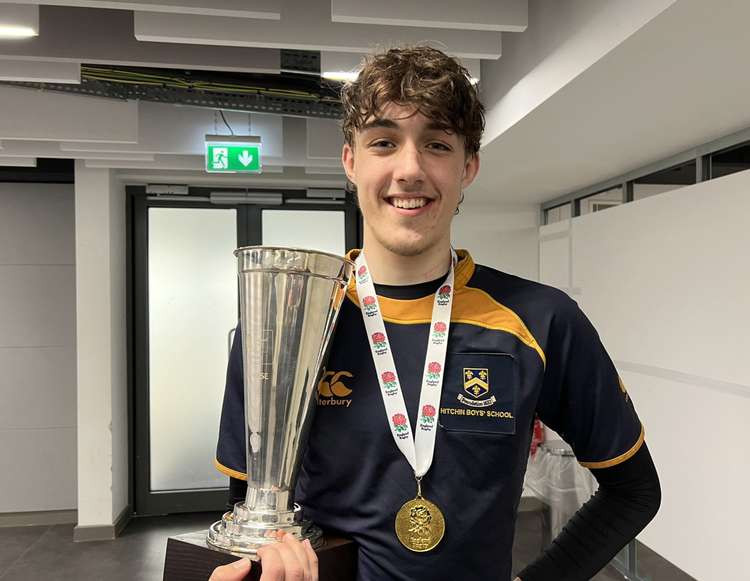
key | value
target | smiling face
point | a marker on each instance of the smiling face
(409, 174)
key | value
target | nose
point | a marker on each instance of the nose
(409, 169)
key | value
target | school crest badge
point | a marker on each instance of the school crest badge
(477, 386)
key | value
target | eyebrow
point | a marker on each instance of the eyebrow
(382, 122)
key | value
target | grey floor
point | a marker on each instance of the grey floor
(48, 552)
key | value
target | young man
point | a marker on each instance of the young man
(439, 379)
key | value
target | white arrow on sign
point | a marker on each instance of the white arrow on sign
(245, 158)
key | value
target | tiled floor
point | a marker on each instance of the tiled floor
(48, 552)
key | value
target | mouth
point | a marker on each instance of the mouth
(408, 202)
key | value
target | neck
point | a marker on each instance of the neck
(389, 268)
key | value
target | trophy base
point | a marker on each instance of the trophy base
(189, 558)
(244, 532)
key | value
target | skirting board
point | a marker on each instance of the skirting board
(38, 518)
(103, 532)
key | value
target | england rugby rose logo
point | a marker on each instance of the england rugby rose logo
(370, 305)
(439, 330)
(379, 343)
(428, 414)
(390, 385)
(362, 274)
(444, 295)
(399, 423)
(433, 373)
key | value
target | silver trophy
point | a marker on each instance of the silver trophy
(289, 302)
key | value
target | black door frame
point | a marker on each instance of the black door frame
(249, 232)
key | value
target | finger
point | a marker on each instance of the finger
(299, 552)
(271, 563)
(232, 572)
(312, 558)
(294, 570)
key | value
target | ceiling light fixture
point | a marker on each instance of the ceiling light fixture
(19, 21)
(14, 31)
(341, 75)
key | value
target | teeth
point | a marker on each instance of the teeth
(409, 203)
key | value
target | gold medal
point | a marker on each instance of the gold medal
(420, 525)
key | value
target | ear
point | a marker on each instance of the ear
(347, 160)
(471, 169)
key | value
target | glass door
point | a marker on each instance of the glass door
(184, 309)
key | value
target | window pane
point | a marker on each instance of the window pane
(311, 229)
(664, 180)
(557, 213)
(730, 161)
(601, 201)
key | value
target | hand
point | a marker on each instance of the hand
(287, 560)
(232, 572)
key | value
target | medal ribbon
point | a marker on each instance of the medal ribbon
(418, 451)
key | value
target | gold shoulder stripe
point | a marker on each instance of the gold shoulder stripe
(622, 457)
(471, 305)
(475, 307)
(228, 471)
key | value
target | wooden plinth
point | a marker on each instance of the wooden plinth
(189, 559)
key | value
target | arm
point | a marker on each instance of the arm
(629, 496)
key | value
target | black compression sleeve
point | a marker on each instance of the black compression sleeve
(237, 492)
(629, 496)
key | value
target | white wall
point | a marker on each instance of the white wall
(102, 377)
(504, 237)
(37, 348)
(563, 39)
(666, 282)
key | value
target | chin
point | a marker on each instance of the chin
(407, 247)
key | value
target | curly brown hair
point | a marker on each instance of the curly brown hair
(436, 85)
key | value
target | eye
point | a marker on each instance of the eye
(382, 144)
(439, 146)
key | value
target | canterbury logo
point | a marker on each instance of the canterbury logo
(331, 384)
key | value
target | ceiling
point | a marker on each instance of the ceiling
(671, 85)
(192, 53)
(576, 93)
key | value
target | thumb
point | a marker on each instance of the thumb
(232, 572)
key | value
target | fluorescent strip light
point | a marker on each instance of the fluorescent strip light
(12, 31)
(340, 75)
(19, 21)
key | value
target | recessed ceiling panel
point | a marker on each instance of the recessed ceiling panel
(308, 29)
(506, 15)
(267, 9)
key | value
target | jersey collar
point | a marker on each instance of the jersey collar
(401, 310)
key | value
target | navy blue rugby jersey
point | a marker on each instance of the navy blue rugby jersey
(516, 348)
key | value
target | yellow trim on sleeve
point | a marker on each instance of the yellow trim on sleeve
(228, 471)
(622, 457)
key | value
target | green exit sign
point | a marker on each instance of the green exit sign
(232, 154)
